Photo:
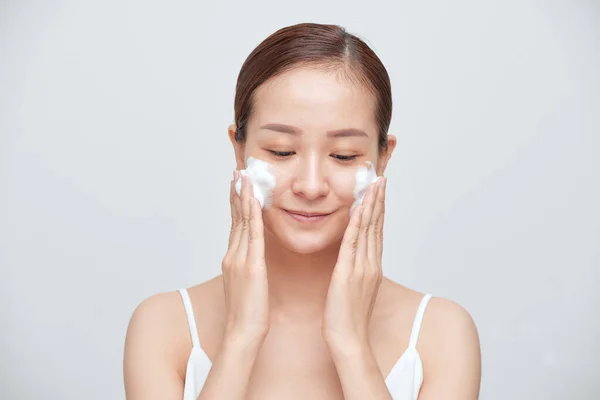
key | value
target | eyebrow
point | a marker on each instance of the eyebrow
(282, 128)
(337, 133)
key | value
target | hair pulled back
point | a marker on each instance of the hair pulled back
(326, 46)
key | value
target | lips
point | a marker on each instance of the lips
(307, 217)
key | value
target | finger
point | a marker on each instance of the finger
(348, 247)
(234, 202)
(233, 196)
(372, 250)
(256, 245)
(381, 222)
(246, 195)
(362, 244)
(236, 215)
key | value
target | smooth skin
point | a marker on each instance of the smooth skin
(303, 311)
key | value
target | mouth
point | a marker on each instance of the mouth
(307, 217)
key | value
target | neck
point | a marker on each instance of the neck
(298, 283)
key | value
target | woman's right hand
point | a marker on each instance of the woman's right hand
(244, 269)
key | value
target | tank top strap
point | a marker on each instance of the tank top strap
(189, 310)
(414, 335)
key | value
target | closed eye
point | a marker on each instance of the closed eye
(343, 158)
(281, 154)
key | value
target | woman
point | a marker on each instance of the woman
(301, 310)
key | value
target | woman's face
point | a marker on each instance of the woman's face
(315, 128)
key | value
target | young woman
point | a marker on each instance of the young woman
(301, 310)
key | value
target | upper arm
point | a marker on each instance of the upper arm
(149, 364)
(452, 356)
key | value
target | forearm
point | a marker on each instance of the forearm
(359, 373)
(230, 372)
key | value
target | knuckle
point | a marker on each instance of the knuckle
(226, 263)
(351, 244)
(365, 233)
(245, 222)
(346, 242)
(256, 236)
(235, 226)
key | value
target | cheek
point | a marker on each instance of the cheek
(283, 179)
(342, 183)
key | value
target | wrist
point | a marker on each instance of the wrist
(349, 348)
(240, 342)
(245, 332)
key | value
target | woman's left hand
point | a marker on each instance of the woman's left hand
(357, 274)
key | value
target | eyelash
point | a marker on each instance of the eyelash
(284, 154)
(281, 154)
(343, 158)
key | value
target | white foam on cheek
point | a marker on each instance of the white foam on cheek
(364, 177)
(263, 180)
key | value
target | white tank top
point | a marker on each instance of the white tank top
(403, 382)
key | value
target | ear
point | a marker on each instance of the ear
(238, 148)
(385, 155)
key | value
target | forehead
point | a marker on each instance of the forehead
(315, 100)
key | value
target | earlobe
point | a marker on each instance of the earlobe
(391, 144)
(239, 149)
(231, 133)
(385, 155)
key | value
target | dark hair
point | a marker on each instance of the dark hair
(327, 46)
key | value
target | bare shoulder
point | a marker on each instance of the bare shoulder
(443, 319)
(448, 342)
(158, 335)
(154, 348)
(155, 333)
(449, 348)
(448, 334)
(449, 319)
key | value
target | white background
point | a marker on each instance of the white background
(113, 118)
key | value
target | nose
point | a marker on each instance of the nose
(310, 181)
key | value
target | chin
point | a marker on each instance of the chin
(304, 245)
(304, 238)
